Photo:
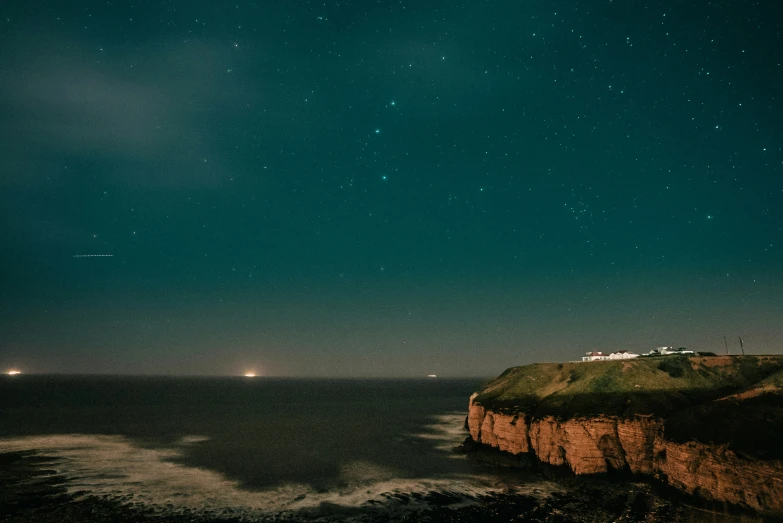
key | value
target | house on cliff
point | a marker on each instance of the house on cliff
(667, 351)
(623, 355)
(595, 356)
(602, 356)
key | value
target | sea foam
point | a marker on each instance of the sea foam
(116, 468)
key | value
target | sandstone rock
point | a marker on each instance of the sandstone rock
(637, 437)
(714, 472)
(602, 443)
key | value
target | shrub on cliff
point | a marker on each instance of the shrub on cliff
(674, 367)
(752, 426)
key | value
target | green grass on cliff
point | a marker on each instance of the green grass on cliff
(774, 380)
(642, 385)
(731, 400)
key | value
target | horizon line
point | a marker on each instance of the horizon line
(256, 377)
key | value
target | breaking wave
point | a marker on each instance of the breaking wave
(114, 468)
(446, 432)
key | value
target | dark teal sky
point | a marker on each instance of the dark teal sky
(386, 188)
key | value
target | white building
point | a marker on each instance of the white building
(603, 356)
(667, 351)
(623, 355)
(595, 356)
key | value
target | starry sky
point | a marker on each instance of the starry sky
(386, 188)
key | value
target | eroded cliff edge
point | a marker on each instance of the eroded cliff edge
(711, 427)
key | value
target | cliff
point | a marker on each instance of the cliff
(710, 427)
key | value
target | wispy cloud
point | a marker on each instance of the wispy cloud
(144, 109)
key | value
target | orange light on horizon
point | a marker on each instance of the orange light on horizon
(14, 372)
(250, 374)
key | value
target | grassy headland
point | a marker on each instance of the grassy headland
(737, 400)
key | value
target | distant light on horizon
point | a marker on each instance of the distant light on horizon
(432, 375)
(250, 374)
(14, 372)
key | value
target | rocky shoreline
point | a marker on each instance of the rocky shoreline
(601, 444)
(33, 492)
(615, 479)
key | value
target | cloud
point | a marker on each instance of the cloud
(146, 109)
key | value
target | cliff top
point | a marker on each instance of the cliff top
(627, 387)
(713, 399)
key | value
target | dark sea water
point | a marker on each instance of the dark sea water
(267, 448)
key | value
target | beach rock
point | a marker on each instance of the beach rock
(469, 445)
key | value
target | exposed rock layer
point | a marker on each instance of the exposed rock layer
(597, 444)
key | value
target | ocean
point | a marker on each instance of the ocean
(106, 448)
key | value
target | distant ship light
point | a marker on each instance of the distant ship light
(250, 374)
(14, 372)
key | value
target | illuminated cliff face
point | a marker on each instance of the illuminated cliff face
(591, 445)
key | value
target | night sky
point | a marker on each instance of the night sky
(386, 188)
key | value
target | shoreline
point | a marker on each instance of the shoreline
(34, 492)
(563, 474)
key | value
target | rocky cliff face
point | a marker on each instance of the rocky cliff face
(504, 432)
(714, 472)
(597, 444)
